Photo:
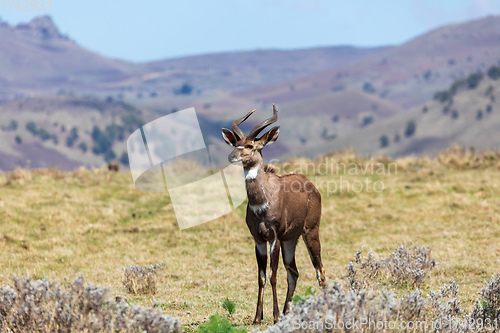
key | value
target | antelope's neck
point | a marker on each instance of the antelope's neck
(255, 182)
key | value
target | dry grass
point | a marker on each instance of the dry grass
(94, 222)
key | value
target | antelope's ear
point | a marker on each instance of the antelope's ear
(269, 137)
(229, 137)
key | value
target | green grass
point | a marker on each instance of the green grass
(58, 225)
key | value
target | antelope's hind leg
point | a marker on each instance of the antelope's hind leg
(311, 239)
(261, 254)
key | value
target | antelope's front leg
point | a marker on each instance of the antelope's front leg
(261, 254)
(275, 257)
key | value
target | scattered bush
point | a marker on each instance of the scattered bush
(43, 306)
(407, 265)
(131, 122)
(185, 89)
(72, 137)
(494, 72)
(410, 129)
(427, 75)
(442, 96)
(336, 303)
(479, 114)
(440, 311)
(115, 132)
(102, 142)
(489, 108)
(471, 82)
(488, 307)
(12, 126)
(83, 147)
(489, 91)
(474, 79)
(31, 127)
(425, 109)
(40, 132)
(457, 85)
(384, 141)
(43, 134)
(454, 114)
(124, 158)
(362, 272)
(368, 87)
(141, 279)
(366, 120)
(18, 139)
(326, 136)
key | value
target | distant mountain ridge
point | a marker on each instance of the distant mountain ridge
(408, 74)
(37, 58)
(327, 97)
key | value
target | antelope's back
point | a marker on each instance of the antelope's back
(303, 200)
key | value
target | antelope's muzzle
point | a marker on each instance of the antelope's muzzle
(232, 158)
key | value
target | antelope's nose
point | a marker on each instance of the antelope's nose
(232, 158)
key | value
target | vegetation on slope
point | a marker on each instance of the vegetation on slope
(58, 225)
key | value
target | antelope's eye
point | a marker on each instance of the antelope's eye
(250, 147)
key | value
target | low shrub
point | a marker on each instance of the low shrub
(372, 310)
(43, 306)
(218, 324)
(141, 279)
(407, 265)
(298, 298)
(229, 306)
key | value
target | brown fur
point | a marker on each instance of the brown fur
(269, 168)
(284, 208)
(114, 166)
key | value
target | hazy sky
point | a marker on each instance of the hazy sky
(149, 30)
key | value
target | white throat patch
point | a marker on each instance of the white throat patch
(259, 208)
(252, 173)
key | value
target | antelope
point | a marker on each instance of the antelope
(280, 209)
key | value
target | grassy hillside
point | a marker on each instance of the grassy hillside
(469, 117)
(94, 222)
(65, 131)
(55, 117)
